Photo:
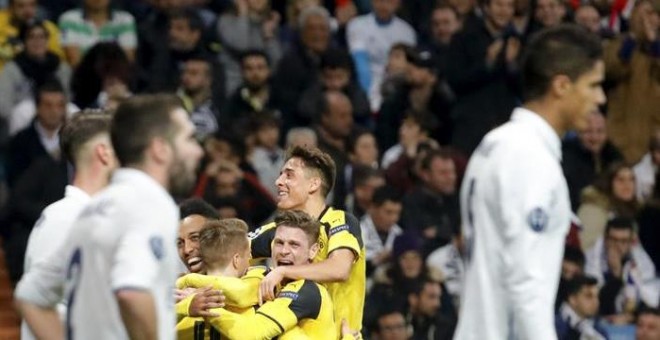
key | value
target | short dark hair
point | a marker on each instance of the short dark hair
(354, 137)
(418, 286)
(335, 58)
(189, 14)
(648, 310)
(316, 160)
(362, 174)
(575, 285)
(138, 120)
(432, 155)
(567, 49)
(220, 239)
(384, 194)
(197, 206)
(426, 120)
(574, 255)
(620, 223)
(254, 53)
(301, 220)
(82, 128)
(50, 85)
(27, 27)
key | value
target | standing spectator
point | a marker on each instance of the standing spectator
(30, 68)
(587, 156)
(365, 181)
(647, 168)
(95, 22)
(484, 74)
(17, 14)
(633, 101)
(301, 136)
(578, 315)
(251, 25)
(588, 17)
(370, 38)
(267, 158)
(379, 227)
(445, 22)
(195, 92)
(548, 13)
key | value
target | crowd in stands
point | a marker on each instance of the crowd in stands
(398, 92)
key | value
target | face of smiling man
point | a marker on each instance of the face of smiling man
(291, 246)
(188, 242)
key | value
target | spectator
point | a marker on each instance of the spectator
(445, 22)
(300, 66)
(646, 169)
(578, 315)
(548, 13)
(390, 325)
(484, 74)
(414, 130)
(613, 194)
(17, 14)
(572, 265)
(431, 208)
(195, 91)
(635, 96)
(370, 37)
(424, 304)
(250, 25)
(301, 136)
(624, 272)
(584, 158)
(365, 181)
(449, 261)
(647, 220)
(267, 158)
(102, 78)
(255, 95)
(588, 17)
(379, 227)
(30, 68)
(363, 149)
(336, 75)
(648, 324)
(396, 69)
(96, 22)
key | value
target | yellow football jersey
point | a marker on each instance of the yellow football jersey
(338, 230)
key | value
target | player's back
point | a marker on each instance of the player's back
(494, 208)
(120, 243)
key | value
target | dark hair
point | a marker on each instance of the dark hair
(189, 14)
(27, 27)
(354, 137)
(362, 174)
(335, 58)
(260, 120)
(387, 308)
(620, 223)
(432, 155)
(406, 48)
(575, 285)
(603, 184)
(384, 194)
(425, 119)
(254, 53)
(138, 121)
(445, 6)
(575, 255)
(219, 240)
(50, 85)
(648, 310)
(84, 126)
(418, 286)
(197, 206)
(563, 50)
(301, 220)
(318, 161)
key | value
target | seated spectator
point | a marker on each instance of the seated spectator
(365, 181)
(19, 13)
(648, 324)
(195, 92)
(572, 265)
(30, 68)
(449, 261)
(267, 157)
(647, 221)
(630, 61)
(370, 37)
(301, 136)
(248, 26)
(362, 151)
(646, 169)
(379, 227)
(336, 75)
(578, 315)
(390, 325)
(426, 318)
(96, 22)
(102, 78)
(624, 272)
(613, 194)
(431, 208)
(585, 157)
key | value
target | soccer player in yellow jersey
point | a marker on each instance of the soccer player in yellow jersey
(304, 182)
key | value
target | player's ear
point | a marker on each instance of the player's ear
(236, 260)
(560, 85)
(313, 250)
(314, 184)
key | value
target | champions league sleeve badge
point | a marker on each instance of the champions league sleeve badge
(538, 219)
(156, 244)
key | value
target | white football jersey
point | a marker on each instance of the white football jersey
(516, 213)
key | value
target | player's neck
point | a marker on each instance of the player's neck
(315, 206)
(549, 112)
(90, 180)
(222, 272)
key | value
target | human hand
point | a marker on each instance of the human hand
(205, 299)
(382, 256)
(650, 29)
(493, 51)
(430, 232)
(512, 49)
(180, 294)
(347, 331)
(268, 285)
(614, 261)
(271, 24)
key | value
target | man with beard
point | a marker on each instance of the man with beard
(119, 263)
(195, 90)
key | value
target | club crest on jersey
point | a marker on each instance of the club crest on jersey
(156, 245)
(538, 219)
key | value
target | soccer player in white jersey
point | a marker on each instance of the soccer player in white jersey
(514, 200)
(85, 143)
(119, 263)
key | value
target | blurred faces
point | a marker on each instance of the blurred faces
(644, 15)
(385, 9)
(444, 23)
(386, 215)
(36, 42)
(365, 150)
(428, 301)
(623, 185)
(549, 12)
(411, 264)
(648, 327)
(584, 97)
(196, 76)
(585, 302)
(187, 153)
(24, 10)
(499, 13)
(619, 240)
(397, 64)
(291, 246)
(315, 34)
(392, 327)
(587, 16)
(365, 193)
(268, 136)
(97, 5)
(187, 242)
(463, 7)
(335, 79)
(441, 176)
(338, 121)
(593, 138)
(256, 72)
(181, 36)
(258, 6)
(570, 270)
(51, 109)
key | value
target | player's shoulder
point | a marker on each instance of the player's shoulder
(303, 290)
(337, 217)
(256, 271)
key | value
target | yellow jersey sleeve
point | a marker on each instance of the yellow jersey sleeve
(261, 239)
(183, 306)
(239, 292)
(343, 231)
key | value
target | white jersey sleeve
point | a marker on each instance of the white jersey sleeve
(137, 259)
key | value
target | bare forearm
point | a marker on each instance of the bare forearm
(334, 269)
(138, 312)
(44, 323)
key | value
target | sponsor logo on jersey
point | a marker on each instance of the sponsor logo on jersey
(156, 245)
(538, 219)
